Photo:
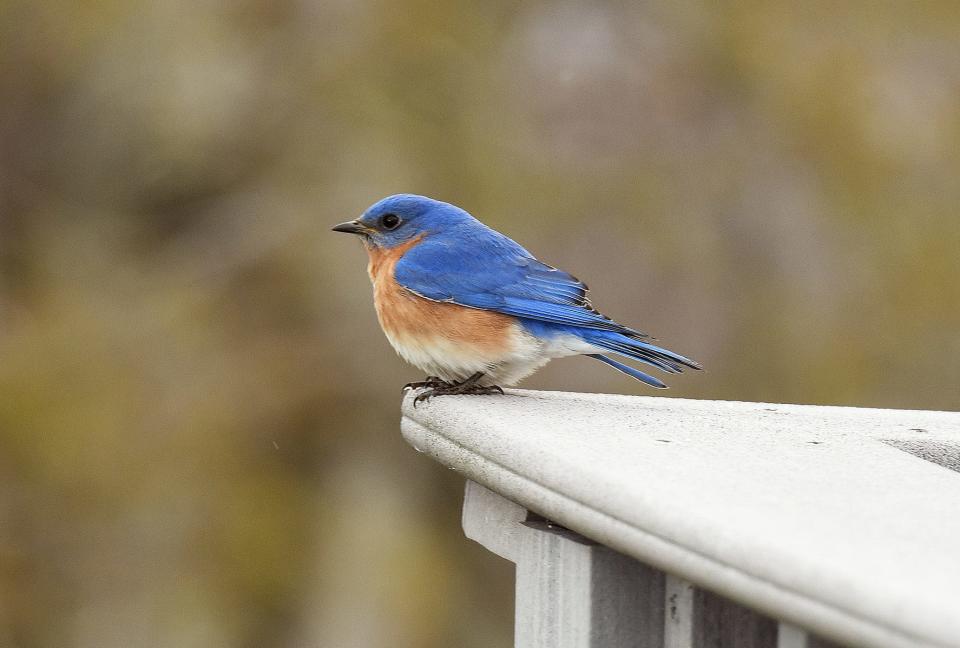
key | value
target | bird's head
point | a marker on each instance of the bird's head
(398, 219)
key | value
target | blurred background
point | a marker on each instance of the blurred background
(199, 417)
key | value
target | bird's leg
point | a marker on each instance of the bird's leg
(470, 386)
(464, 387)
(430, 381)
(469, 382)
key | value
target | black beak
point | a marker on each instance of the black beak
(350, 227)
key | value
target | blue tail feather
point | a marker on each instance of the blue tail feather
(639, 350)
(625, 343)
(630, 371)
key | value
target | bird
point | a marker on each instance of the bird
(476, 311)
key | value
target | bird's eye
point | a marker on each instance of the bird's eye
(390, 221)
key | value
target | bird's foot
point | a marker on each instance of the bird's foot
(456, 390)
(466, 387)
(433, 382)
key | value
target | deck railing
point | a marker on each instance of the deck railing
(656, 522)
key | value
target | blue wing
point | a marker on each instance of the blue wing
(480, 268)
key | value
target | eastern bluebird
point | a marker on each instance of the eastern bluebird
(474, 310)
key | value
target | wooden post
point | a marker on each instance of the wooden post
(571, 592)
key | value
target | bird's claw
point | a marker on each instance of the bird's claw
(430, 381)
(425, 396)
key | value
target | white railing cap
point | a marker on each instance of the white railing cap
(814, 515)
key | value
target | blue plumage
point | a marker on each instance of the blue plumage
(454, 258)
(630, 371)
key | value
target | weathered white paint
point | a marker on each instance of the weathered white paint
(813, 515)
(679, 613)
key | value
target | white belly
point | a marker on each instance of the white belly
(453, 361)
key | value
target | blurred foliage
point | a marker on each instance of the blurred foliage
(198, 415)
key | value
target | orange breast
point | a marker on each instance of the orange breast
(404, 315)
